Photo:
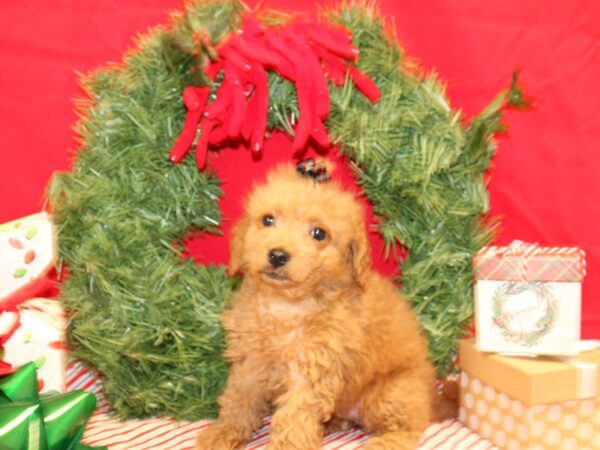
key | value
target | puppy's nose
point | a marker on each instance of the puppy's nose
(278, 257)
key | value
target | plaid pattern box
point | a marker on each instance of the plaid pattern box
(528, 299)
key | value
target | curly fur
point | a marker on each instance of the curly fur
(324, 340)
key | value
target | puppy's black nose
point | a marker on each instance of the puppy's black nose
(278, 257)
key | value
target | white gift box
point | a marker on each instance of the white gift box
(27, 253)
(528, 299)
(35, 332)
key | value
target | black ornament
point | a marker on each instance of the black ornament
(310, 168)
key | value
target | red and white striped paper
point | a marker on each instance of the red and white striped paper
(168, 434)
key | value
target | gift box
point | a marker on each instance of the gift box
(528, 299)
(35, 332)
(531, 403)
(27, 254)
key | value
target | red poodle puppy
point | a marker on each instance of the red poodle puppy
(314, 334)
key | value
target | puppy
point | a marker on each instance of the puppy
(314, 334)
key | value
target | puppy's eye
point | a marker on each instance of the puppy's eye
(318, 234)
(268, 220)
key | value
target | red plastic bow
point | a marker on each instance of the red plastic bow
(306, 54)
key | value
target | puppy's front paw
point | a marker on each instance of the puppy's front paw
(393, 441)
(290, 446)
(376, 444)
(297, 440)
(336, 424)
(217, 437)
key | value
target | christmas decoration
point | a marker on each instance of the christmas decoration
(528, 299)
(294, 51)
(315, 170)
(528, 323)
(27, 253)
(36, 332)
(49, 422)
(531, 403)
(148, 319)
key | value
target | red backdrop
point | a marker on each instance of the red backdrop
(544, 179)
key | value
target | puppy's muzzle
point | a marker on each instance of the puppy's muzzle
(278, 258)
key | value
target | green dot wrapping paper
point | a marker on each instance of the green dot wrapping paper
(27, 254)
(36, 333)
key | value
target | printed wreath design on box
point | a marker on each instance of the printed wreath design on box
(523, 327)
(147, 318)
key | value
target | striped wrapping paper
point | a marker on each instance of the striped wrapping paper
(167, 434)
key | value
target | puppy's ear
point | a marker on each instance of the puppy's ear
(360, 256)
(237, 246)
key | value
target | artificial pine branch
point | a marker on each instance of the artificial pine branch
(148, 319)
(145, 317)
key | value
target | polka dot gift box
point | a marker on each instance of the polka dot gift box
(528, 299)
(531, 403)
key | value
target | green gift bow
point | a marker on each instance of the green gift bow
(29, 421)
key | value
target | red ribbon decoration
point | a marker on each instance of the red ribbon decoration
(306, 54)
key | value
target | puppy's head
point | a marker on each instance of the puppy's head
(297, 234)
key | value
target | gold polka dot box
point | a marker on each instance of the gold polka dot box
(531, 403)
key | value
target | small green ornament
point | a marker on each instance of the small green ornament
(39, 362)
(31, 232)
(20, 272)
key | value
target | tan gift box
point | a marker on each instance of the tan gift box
(531, 403)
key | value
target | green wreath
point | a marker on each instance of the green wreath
(502, 318)
(147, 318)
